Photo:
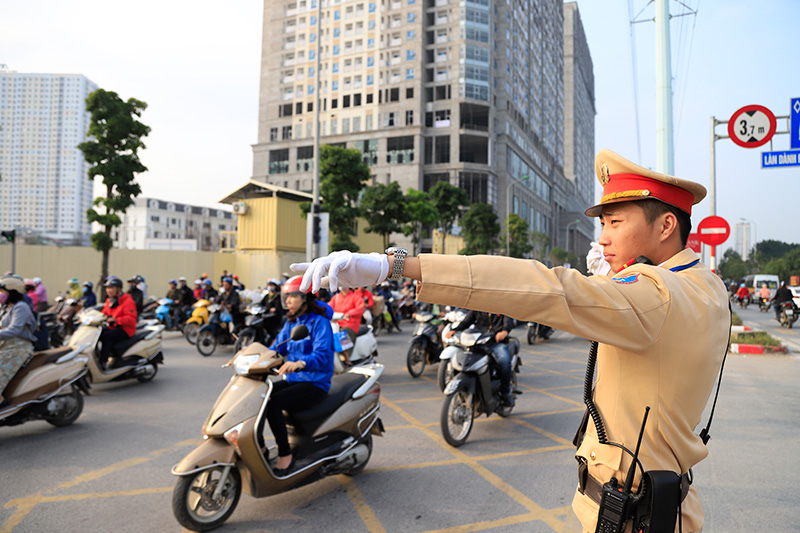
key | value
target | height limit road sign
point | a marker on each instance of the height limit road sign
(752, 126)
(713, 230)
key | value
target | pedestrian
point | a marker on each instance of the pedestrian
(662, 321)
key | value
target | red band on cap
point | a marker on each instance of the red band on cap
(619, 184)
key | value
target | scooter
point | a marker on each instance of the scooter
(534, 330)
(788, 315)
(763, 304)
(218, 331)
(426, 345)
(364, 351)
(475, 389)
(198, 319)
(163, 310)
(333, 437)
(48, 387)
(256, 320)
(137, 357)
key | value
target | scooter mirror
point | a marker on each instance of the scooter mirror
(299, 332)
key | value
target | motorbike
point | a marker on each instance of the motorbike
(218, 332)
(198, 319)
(332, 438)
(475, 388)
(256, 320)
(149, 309)
(48, 387)
(788, 314)
(763, 304)
(365, 349)
(137, 357)
(534, 330)
(405, 306)
(426, 345)
(164, 309)
(743, 301)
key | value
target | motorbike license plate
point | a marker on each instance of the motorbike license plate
(789, 312)
(344, 340)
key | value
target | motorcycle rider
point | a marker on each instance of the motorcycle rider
(307, 370)
(499, 326)
(74, 291)
(186, 300)
(229, 299)
(350, 303)
(783, 294)
(764, 293)
(238, 285)
(211, 292)
(272, 302)
(199, 291)
(742, 293)
(88, 299)
(17, 328)
(369, 303)
(121, 323)
(41, 295)
(136, 294)
(386, 291)
(173, 294)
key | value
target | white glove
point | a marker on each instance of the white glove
(343, 269)
(595, 262)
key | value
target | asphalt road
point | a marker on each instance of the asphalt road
(110, 470)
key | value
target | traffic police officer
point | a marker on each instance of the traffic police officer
(662, 328)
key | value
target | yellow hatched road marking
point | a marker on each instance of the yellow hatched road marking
(490, 524)
(364, 511)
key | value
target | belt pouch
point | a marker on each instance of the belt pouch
(659, 510)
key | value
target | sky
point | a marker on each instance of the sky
(197, 65)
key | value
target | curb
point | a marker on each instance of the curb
(741, 329)
(758, 349)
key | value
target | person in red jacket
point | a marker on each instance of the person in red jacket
(350, 303)
(121, 323)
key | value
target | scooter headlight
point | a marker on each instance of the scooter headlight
(232, 436)
(242, 363)
(468, 339)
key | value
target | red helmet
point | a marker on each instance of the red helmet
(292, 286)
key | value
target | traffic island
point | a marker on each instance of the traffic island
(754, 342)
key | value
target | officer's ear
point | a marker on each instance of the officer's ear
(668, 226)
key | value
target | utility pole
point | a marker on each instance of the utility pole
(664, 149)
(312, 248)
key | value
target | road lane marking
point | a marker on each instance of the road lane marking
(541, 431)
(491, 524)
(547, 516)
(556, 396)
(364, 510)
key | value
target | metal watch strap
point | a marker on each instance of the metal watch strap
(399, 261)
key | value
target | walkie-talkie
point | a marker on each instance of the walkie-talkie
(618, 503)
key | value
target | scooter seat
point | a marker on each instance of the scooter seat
(122, 347)
(342, 388)
(37, 359)
(363, 330)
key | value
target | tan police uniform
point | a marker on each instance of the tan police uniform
(662, 331)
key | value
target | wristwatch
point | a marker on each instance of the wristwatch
(399, 261)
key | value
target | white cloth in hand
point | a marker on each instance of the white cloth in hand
(595, 262)
(343, 269)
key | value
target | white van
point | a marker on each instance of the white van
(754, 282)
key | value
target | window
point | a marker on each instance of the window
(368, 123)
(286, 132)
(400, 150)
(409, 73)
(334, 126)
(356, 99)
(345, 125)
(285, 110)
(346, 100)
(335, 68)
(410, 92)
(356, 124)
(334, 103)
(279, 161)
(441, 118)
(305, 158)
(273, 134)
(394, 95)
(477, 186)
(390, 119)
(442, 149)
(409, 118)
(410, 55)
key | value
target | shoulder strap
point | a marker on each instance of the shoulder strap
(704, 433)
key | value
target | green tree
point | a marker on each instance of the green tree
(480, 228)
(770, 249)
(342, 175)
(558, 256)
(422, 213)
(448, 201)
(539, 243)
(113, 153)
(519, 240)
(786, 266)
(384, 209)
(732, 265)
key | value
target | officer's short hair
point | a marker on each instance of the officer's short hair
(654, 208)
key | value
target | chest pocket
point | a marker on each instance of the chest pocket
(303, 346)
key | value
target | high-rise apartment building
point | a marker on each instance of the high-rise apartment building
(742, 242)
(44, 185)
(468, 91)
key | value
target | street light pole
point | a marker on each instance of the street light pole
(568, 225)
(508, 214)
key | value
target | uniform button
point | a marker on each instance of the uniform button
(592, 456)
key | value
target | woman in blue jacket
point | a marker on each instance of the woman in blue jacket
(307, 370)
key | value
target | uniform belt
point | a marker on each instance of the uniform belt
(589, 486)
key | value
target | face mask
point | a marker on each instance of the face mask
(271, 288)
(3, 297)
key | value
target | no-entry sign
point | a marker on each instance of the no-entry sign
(752, 126)
(713, 230)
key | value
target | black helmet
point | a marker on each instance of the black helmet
(113, 281)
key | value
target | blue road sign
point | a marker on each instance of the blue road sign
(794, 124)
(787, 158)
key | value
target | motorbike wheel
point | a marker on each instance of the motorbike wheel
(415, 360)
(245, 339)
(206, 343)
(193, 502)
(144, 378)
(360, 467)
(191, 331)
(377, 326)
(444, 374)
(68, 416)
(532, 335)
(457, 417)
